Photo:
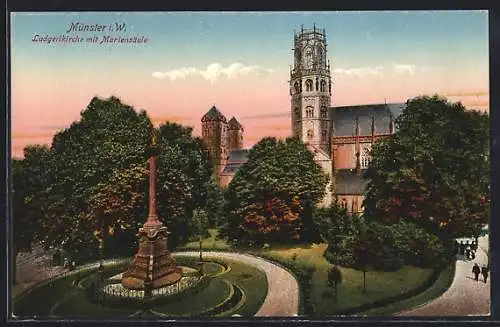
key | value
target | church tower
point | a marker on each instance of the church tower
(214, 134)
(235, 135)
(310, 89)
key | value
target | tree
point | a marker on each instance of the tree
(201, 219)
(31, 180)
(184, 180)
(265, 201)
(434, 170)
(341, 231)
(98, 179)
(334, 278)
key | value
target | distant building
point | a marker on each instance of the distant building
(340, 138)
(224, 141)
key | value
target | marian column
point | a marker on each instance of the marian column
(153, 266)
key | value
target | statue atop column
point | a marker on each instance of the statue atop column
(153, 266)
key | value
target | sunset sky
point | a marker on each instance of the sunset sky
(239, 62)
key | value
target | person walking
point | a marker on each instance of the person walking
(484, 272)
(476, 271)
(467, 252)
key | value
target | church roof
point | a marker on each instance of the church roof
(235, 160)
(234, 124)
(213, 115)
(344, 118)
(347, 182)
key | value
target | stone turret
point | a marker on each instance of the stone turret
(235, 135)
(214, 134)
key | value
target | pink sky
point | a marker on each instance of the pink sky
(42, 105)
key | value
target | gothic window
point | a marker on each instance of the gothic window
(309, 112)
(309, 85)
(323, 112)
(310, 134)
(365, 158)
(309, 58)
(320, 54)
(323, 86)
(296, 86)
(317, 85)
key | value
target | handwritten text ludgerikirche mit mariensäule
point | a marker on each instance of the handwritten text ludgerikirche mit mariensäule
(77, 32)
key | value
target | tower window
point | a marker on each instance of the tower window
(323, 112)
(309, 112)
(323, 86)
(323, 135)
(309, 85)
(296, 86)
(365, 158)
(310, 134)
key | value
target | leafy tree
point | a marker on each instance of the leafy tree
(334, 278)
(341, 231)
(31, 180)
(98, 179)
(110, 138)
(434, 171)
(201, 219)
(184, 180)
(266, 199)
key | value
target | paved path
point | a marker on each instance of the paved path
(282, 299)
(465, 296)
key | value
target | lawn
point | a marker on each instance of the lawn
(213, 242)
(380, 285)
(253, 283)
(63, 299)
(439, 287)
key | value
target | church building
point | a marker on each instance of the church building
(339, 137)
(224, 140)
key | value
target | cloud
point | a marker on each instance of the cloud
(404, 69)
(361, 71)
(213, 72)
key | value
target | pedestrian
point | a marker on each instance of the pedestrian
(484, 272)
(457, 247)
(476, 270)
(467, 253)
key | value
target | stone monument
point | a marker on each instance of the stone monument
(153, 266)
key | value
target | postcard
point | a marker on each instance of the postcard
(176, 165)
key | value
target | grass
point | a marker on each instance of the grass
(63, 299)
(216, 292)
(380, 285)
(443, 282)
(213, 242)
(252, 282)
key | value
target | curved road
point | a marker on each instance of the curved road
(465, 296)
(282, 299)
